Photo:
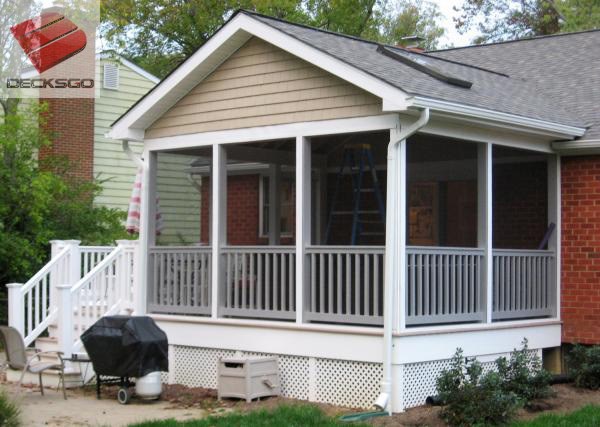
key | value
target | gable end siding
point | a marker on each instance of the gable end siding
(261, 85)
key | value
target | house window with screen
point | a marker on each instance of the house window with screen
(287, 206)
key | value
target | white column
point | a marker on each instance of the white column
(16, 307)
(147, 230)
(218, 221)
(274, 204)
(128, 283)
(484, 223)
(554, 216)
(60, 273)
(65, 320)
(303, 219)
(74, 273)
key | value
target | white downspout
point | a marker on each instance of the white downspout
(139, 162)
(383, 402)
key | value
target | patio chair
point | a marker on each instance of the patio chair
(16, 358)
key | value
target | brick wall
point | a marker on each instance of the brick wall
(242, 210)
(70, 123)
(520, 205)
(580, 297)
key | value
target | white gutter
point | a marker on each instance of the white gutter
(579, 147)
(383, 402)
(139, 162)
(556, 129)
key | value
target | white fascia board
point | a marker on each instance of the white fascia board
(224, 43)
(551, 129)
(577, 148)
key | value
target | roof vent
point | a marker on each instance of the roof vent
(418, 62)
(111, 76)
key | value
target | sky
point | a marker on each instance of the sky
(452, 37)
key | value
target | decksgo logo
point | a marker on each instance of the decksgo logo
(54, 50)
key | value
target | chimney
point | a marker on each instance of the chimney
(412, 43)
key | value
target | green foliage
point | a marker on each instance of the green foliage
(523, 375)
(584, 366)
(162, 33)
(38, 204)
(9, 411)
(588, 416)
(472, 398)
(285, 415)
(498, 20)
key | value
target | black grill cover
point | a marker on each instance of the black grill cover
(126, 346)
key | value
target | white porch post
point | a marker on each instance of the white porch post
(16, 307)
(400, 211)
(303, 219)
(65, 320)
(60, 275)
(74, 272)
(274, 204)
(554, 216)
(484, 224)
(219, 222)
(147, 231)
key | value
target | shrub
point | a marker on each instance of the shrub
(523, 375)
(473, 398)
(9, 412)
(584, 366)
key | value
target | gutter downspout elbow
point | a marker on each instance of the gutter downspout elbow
(139, 162)
(384, 401)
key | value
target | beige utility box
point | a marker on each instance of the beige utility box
(248, 377)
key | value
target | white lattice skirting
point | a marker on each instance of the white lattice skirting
(338, 382)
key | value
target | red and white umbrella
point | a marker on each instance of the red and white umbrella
(133, 214)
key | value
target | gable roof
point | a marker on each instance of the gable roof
(566, 67)
(399, 77)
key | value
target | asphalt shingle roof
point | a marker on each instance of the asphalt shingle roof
(492, 90)
(566, 67)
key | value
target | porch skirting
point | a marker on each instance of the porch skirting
(339, 382)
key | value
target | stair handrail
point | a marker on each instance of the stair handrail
(97, 268)
(44, 270)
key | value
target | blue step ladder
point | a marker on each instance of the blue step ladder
(358, 160)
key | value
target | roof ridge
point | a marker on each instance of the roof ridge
(525, 39)
(375, 43)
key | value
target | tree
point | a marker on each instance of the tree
(499, 20)
(160, 34)
(414, 17)
(38, 204)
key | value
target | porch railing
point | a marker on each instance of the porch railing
(345, 284)
(180, 280)
(443, 285)
(524, 284)
(260, 282)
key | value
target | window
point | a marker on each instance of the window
(287, 206)
(111, 76)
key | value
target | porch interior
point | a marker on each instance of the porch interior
(344, 209)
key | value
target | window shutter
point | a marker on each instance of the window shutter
(111, 76)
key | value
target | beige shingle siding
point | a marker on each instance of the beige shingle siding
(262, 85)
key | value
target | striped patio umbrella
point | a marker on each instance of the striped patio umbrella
(133, 214)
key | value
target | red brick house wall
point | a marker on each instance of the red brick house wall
(580, 297)
(70, 123)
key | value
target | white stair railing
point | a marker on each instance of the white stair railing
(105, 290)
(32, 306)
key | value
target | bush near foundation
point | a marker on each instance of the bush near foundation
(9, 412)
(474, 398)
(584, 366)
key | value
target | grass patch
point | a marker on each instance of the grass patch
(285, 415)
(588, 416)
(9, 411)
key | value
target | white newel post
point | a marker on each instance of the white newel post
(59, 275)
(16, 307)
(65, 320)
(74, 266)
(129, 283)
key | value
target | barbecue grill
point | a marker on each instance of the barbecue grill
(123, 348)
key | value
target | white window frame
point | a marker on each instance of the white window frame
(262, 233)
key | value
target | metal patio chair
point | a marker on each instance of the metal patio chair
(16, 358)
